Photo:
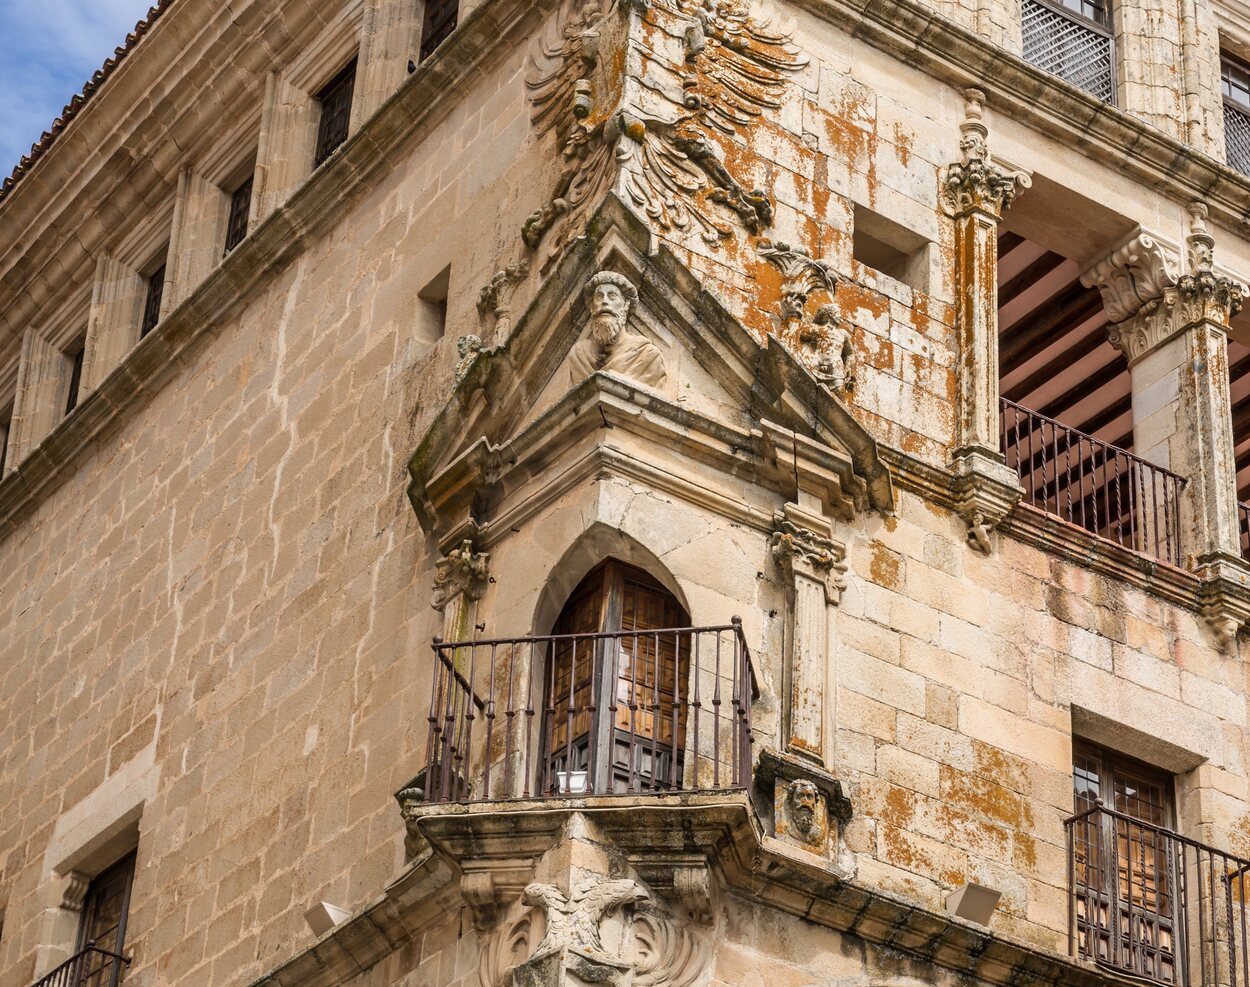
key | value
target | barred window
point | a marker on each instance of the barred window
(336, 113)
(152, 303)
(240, 211)
(1235, 82)
(1072, 39)
(439, 21)
(6, 426)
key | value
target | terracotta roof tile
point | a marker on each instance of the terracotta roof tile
(79, 100)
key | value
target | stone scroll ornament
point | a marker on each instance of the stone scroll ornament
(653, 131)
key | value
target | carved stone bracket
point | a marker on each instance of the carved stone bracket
(986, 491)
(1225, 596)
(683, 877)
(808, 803)
(975, 184)
(1148, 302)
(74, 891)
(462, 571)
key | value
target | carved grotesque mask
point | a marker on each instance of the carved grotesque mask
(804, 800)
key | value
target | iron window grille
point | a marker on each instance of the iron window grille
(437, 24)
(6, 430)
(152, 303)
(75, 375)
(1072, 39)
(1235, 83)
(240, 212)
(336, 113)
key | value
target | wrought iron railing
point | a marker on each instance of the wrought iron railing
(1074, 48)
(90, 967)
(1237, 136)
(1100, 487)
(657, 711)
(1146, 901)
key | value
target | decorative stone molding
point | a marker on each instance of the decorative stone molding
(494, 301)
(572, 921)
(801, 275)
(609, 344)
(986, 490)
(792, 545)
(1148, 302)
(467, 347)
(685, 878)
(462, 571)
(654, 131)
(1133, 275)
(975, 184)
(410, 801)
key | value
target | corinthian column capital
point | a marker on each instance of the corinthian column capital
(974, 184)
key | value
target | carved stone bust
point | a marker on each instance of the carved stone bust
(609, 344)
(804, 801)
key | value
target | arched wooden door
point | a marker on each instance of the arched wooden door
(615, 706)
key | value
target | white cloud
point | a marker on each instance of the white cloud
(48, 49)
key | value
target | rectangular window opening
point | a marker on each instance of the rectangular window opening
(74, 355)
(240, 213)
(437, 24)
(432, 313)
(152, 300)
(102, 927)
(335, 100)
(891, 249)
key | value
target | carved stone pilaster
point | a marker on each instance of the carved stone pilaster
(813, 566)
(974, 192)
(986, 491)
(460, 579)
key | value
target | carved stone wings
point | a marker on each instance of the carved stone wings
(649, 100)
(574, 921)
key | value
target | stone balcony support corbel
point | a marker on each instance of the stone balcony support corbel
(1173, 330)
(974, 192)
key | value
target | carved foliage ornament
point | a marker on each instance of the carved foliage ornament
(974, 183)
(1146, 300)
(462, 570)
(792, 545)
(711, 71)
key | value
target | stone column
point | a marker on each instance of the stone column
(1148, 50)
(1173, 330)
(117, 296)
(284, 150)
(812, 564)
(973, 193)
(460, 579)
(42, 390)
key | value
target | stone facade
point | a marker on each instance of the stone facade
(400, 411)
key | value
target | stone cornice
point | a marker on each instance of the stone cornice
(926, 40)
(724, 830)
(275, 243)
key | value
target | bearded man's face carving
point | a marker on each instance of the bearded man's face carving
(609, 308)
(804, 798)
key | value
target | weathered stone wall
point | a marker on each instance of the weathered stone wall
(223, 615)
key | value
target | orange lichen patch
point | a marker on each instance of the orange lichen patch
(850, 143)
(921, 855)
(890, 522)
(980, 796)
(820, 185)
(886, 566)
(873, 351)
(1024, 854)
(903, 141)
(1005, 770)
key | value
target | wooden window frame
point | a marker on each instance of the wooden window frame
(334, 122)
(123, 870)
(438, 21)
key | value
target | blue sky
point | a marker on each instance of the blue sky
(48, 49)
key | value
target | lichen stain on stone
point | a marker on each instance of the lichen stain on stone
(885, 566)
(903, 141)
(851, 143)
